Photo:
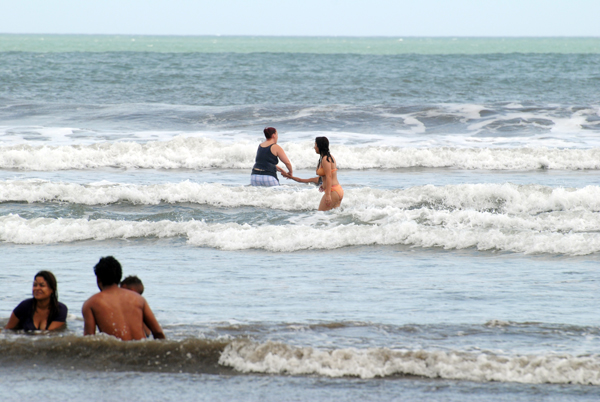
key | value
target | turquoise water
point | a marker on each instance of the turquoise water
(320, 45)
(461, 265)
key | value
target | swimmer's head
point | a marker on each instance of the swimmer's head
(269, 132)
(108, 271)
(322, 148)
(322, 144)
(133, 283)
(47, 280)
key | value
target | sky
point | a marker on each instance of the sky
(304, 17)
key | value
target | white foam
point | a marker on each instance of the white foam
(23, 135)
(517, 218)
(203, 153)
(572, 124)
(277, 358)
(468, 111)
(502, 199)
(418, 127)
(101, 193)
(465, 229)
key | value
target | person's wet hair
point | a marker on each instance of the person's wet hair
(52, 284)
(269, 131)
(132, 280)
(133, 283)
(108, 271)
(323, 145)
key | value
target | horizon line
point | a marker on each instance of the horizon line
(318, 36)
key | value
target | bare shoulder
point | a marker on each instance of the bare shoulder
(131, 297)
(93, 300)
(276, 150)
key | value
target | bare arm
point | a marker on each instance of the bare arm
(13, 321)
(152, 323)
(327, 180)
(55, 325)
(89, 321)
(280, 153)
(299, 180)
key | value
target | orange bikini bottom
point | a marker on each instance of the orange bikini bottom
(338, 189)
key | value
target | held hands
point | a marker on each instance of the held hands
(283, 172)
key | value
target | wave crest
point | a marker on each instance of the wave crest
(279, 358)
(500, 198)
(438, 230)
(203, 153)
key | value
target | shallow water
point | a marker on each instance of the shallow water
(102, 386)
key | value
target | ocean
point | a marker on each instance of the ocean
(462, 264)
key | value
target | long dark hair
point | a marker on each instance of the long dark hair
(51, 282)
(323, 145)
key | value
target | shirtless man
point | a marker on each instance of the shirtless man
(116, 311)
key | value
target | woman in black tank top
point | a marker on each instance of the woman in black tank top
(264, 172)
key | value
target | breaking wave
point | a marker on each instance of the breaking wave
(279, 358)
(448, 230)
(504, 198)
(194, 355)
(203, 153)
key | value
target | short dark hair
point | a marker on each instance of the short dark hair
(132, 280)
(269, 131)
(108, 271)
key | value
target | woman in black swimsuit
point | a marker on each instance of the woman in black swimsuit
(264, 172)
(43, 311)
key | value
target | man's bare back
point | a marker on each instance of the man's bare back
(121, 313)
(118, 312)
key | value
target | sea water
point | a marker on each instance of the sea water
(461, 266)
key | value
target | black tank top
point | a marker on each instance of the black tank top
(265, 162)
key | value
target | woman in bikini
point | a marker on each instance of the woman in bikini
(327, 174)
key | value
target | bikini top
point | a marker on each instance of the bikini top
(321, 171)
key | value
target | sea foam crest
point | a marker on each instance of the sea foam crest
(439, 229)
(278, 358)
(504, 198)
(37, 191)
(202, 153)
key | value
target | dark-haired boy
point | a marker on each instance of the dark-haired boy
(135, 284)
(116, 311)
